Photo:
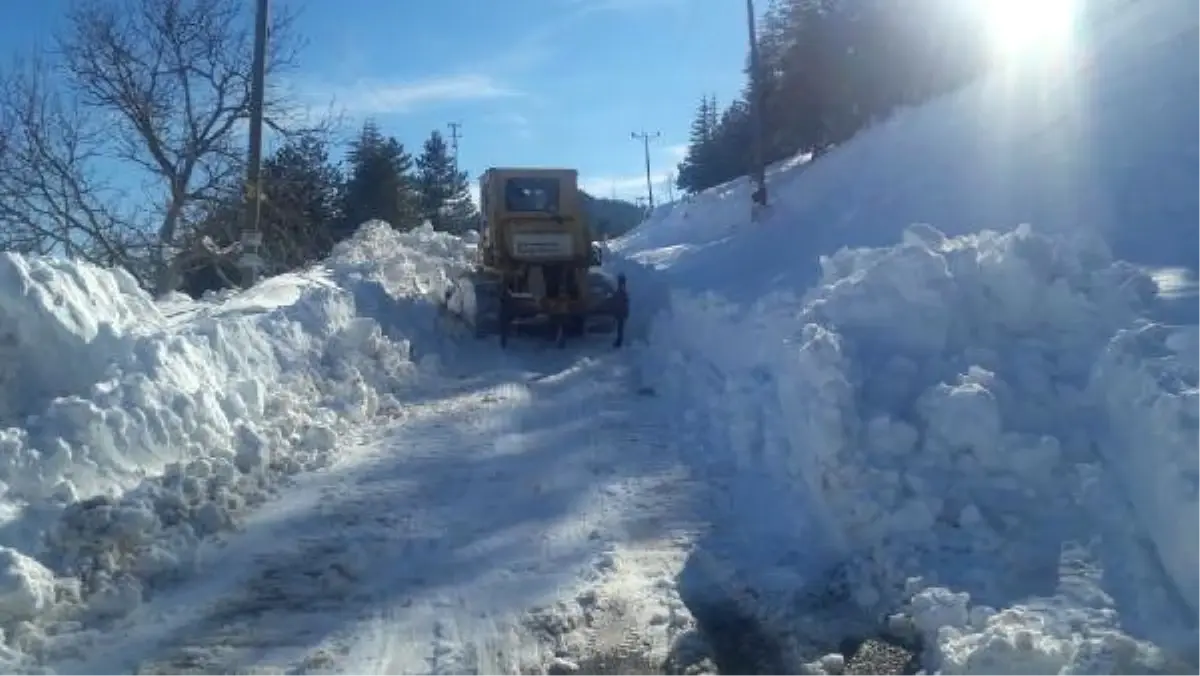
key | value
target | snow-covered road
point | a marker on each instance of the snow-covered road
(425, 548)
(929, 402)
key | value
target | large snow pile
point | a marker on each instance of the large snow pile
(960, 420)
(977, 411)
(132, 435)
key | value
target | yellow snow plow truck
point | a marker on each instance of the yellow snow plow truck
(537, 265)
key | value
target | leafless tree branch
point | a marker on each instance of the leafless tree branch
(155, 92)
(52, 194)
(173, 76)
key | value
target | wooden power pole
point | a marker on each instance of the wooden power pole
(759, 196)
(645, 137)
(250, 261)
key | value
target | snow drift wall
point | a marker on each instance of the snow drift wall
(977, 410)
(991, 411)
(1144, 384)
(77, 314)
(131, 438)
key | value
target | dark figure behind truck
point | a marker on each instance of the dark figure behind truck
(621, 309)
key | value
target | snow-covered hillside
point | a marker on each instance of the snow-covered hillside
(1108, 144)
(935, 367)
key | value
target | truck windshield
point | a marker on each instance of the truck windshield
(531, 194)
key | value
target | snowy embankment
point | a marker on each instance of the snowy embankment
(980, 412)
(986, 430)
(136, 429)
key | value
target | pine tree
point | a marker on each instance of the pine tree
(829, 68)
(380, 185)
(695, 169)
(301, 209)
(712, 118)
(729, 153)
(444, 191)
(718, 146)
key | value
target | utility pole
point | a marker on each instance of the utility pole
(645, 137)
(250, 261)
(759, 196)
(454, 136)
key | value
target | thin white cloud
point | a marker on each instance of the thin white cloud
(676, 152)
(515, 119)
(542, 42)
(513, 122)
(375, 97)
(664, 161)
(628, 187)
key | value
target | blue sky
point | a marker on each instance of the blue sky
(533, 82)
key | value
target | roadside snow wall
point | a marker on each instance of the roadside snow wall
(130, 437)
(985, 412)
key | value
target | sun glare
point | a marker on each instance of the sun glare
(1020, 27)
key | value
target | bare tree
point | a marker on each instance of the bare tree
(53, 193)
(157, 89)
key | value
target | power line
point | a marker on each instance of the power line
(645, 137)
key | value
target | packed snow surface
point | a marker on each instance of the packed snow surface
(473, 529)
(938, 364)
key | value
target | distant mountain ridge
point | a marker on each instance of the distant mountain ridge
(611, 217)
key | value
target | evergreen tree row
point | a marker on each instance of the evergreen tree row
(386, 182)
(310, 202)
(830, 68)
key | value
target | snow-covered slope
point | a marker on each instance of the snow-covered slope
(1107, 144)
(882, 386)
(135, 429)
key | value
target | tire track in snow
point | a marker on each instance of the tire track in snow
(427, 549)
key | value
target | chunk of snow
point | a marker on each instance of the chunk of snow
(26, 587)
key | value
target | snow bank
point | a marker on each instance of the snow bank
(133, 436)
(75, 314)
(969, 410)
(990, 411)
(1145, 385)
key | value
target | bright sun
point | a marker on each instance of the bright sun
(1018, 27)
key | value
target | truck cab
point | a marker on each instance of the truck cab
(533, 217)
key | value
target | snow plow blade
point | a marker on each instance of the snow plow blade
(477, 305)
